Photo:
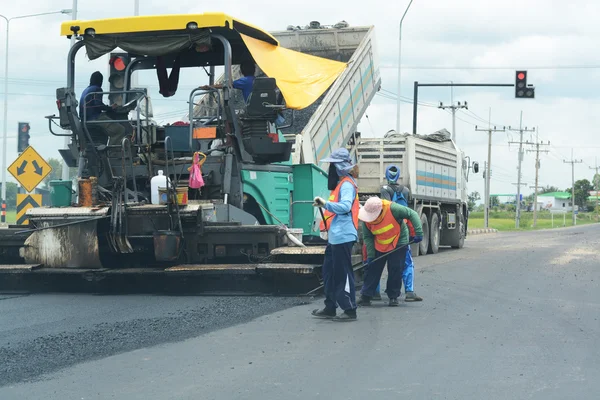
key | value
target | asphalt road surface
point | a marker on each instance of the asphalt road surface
(510, 316)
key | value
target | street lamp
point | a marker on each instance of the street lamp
(400, 67)
(67, 11)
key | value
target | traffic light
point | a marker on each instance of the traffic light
(522, 91)
(23, 142)
(118, 63)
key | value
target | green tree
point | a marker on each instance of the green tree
(473, 198)
(582, 192)
(56, 173)
(11, 195)
(494, 201)
(596, 181)
(548, 189)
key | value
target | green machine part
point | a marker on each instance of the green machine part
(310, 181)
(278, 191)
(272, 191)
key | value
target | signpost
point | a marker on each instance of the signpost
(30, 169)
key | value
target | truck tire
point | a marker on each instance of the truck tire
(434, 234)
(461, 239)
(424, 245)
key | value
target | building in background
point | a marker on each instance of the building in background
(556, 201)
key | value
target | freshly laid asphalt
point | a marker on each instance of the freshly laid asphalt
(510, 316)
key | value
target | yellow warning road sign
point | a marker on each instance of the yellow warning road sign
(24, 203)
(30, 169)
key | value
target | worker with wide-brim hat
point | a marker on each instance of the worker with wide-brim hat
(386, 238)
(340, 222)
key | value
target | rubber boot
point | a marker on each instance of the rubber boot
(412, 296)
(324, 313)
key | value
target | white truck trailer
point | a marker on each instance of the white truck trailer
(435, 171)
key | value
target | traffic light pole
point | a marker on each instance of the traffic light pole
(416, 93)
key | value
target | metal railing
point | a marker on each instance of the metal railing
(142, 95)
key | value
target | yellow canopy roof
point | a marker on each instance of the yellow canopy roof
(165, 23)
(302, 78)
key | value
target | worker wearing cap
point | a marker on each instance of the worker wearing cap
(341, 224)
(400, 194)
(386, 237)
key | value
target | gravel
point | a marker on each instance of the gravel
(83, 340)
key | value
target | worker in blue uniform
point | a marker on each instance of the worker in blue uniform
(400, 194)
(340, 223)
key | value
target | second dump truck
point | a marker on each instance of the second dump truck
(435, 171)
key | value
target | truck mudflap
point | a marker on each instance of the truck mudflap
(64, 238)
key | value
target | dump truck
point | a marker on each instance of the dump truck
(435, 171)
(251, 227)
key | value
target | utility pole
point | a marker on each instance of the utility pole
(486, 212)
(537, 150)
(573, 162)
(519, 184)
(454, 107)
(597, 185)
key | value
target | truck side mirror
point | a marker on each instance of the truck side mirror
(475, 167)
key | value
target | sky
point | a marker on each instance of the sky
(442, 42)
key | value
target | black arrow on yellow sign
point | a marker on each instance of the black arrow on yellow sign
(21, 169)
(38, 170)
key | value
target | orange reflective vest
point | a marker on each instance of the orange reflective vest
(386, 229)
(335, 197)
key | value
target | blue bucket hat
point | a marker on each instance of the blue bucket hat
(341, 159)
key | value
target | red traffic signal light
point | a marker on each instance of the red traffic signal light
(521, 89)
(23, 136)
(118, 63)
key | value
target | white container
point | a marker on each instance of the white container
(158, 181)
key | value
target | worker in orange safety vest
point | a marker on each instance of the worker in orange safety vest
(386, 239)
(341, 225)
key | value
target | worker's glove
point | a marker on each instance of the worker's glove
(319, 202)
(416, 239)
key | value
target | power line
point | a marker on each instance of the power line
(596, 182)
(573, 162)
(519, 184)
(488, 166)
(537, 150)
(454, 107)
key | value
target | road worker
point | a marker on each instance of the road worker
(340, 221)
(400, 194)
(386, 238)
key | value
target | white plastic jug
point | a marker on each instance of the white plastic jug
(158, 181)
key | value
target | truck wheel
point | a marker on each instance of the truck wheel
(424, 245)
(461, 232)
(434, 234)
